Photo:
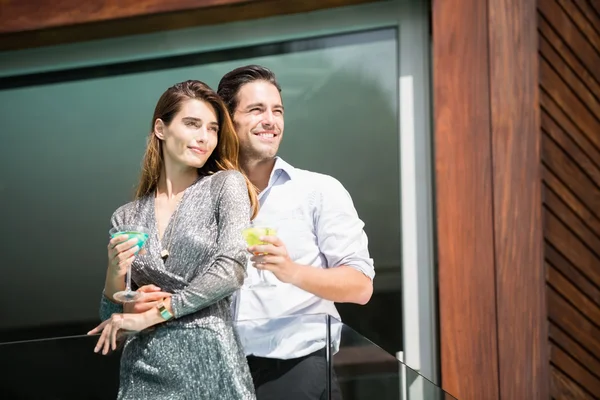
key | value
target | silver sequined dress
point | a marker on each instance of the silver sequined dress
(197, 355)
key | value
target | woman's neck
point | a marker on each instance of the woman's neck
(173, 181)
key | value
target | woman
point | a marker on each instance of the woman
(194, 202)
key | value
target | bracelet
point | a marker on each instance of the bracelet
(166, 314)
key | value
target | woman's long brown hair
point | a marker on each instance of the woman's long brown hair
(225, 155)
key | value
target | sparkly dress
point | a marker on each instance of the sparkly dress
(197, 354)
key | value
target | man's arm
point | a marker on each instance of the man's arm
(341, 284)
(343, 242)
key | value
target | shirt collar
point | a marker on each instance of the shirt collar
(281, 165)
(280, 171)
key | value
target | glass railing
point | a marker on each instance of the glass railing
(366, 371)
(354, 368)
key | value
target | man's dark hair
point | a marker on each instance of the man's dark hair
(230, 84)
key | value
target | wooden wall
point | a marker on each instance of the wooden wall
(35, 23)
(569, 59)
(493, 336)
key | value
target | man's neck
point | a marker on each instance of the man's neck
(258, 171)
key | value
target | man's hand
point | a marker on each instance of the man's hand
(274, 257)
(151, 296)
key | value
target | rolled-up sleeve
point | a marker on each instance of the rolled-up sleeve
(227, 272)
(340, 234)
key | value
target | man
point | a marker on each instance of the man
(318, 257)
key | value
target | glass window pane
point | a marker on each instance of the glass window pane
(72, 144)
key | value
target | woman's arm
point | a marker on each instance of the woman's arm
(221, 279)
(227, 272)
(121, 253)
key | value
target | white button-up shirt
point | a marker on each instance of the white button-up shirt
(315, 218)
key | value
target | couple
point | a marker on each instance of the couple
(196, 198)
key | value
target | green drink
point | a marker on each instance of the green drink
(252, 236)
(141, 234)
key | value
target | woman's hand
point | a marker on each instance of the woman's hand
(116, 326)
(151, 296)
(121, 253)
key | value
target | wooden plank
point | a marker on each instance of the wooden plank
(574, 143)
(18, 16)
(580, 375)
(572, 36)
(590, 14)
(104, 19)
(570, 103)
(571, 247)
(569, 46)
(584, 25)
(520, 279)
(576, 225)
(568, 145)
(558, 45)
(590, 219)
(575, 297)
(563, 388)
(569, 173)
(468, 332)
(562, 339)
(555, 259)
(550, 108)
(595, 4)
(570, 320)
(551, 59)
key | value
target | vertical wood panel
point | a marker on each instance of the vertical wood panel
(468, 334)
(517, 200)
(488, 198)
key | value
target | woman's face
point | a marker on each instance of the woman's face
(192, 135)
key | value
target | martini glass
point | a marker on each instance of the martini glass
(252, 236)
(141, 234)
